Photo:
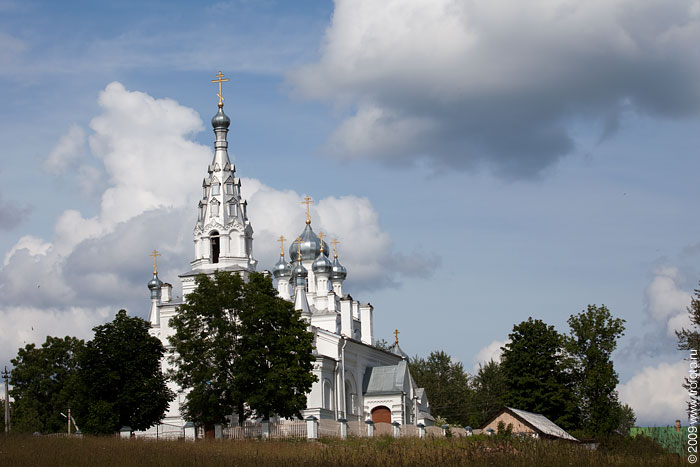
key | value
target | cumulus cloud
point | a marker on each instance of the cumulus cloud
(93, 266)
(666, 302)
(68, 149)
(490, 352)
(24, 325)
(656, 395)
(497, 83)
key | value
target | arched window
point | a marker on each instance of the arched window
(327, 395)
(349, 399)
(214, 236)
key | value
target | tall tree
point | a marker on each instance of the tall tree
(536, 373)
(120, 378)
(275, 366)
(240, 348)
(593, 338)
(689, 339)
(489, 386)
(43, 384)
(446, 383)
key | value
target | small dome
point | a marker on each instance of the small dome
(220, 120)
(155, 283)
(338, 273)
(322, 265)
(299, 274)
(282, 269)
(310, 246)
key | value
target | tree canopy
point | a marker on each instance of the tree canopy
(536, 373)
(120, 378)
(488, 396)
(43, 384)
(446, 383)
(240, 348)
(593, 338)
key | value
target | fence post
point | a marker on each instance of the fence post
(397, 429)
(189, 431)
(125, 432)
(343, 428)
(370, 427)
(311, 427)
(469, 430)
(445, 429)
(421, 430)
(265, 429)
(218, 431)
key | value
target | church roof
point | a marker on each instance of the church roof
(385, 379)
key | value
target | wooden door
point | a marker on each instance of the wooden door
(381, 414)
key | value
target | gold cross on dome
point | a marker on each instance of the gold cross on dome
(396, 335)
(155, 255)
(281, 240)
(335, 247)
(221, 79)
(307, 201)
(320, 236)
(299, 248)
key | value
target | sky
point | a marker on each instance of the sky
(480, 162)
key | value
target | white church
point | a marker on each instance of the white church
(355, 380)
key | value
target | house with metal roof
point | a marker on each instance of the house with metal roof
(527, 423)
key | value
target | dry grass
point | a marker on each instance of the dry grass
(19, 450)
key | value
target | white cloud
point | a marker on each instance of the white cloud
(666, 302)
(25, 325)
(69, 148)
(490, 352)
(495, 83)
(656, 395)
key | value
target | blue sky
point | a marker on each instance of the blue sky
(480, 163)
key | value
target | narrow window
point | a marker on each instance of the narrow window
(232, 210)
(215, 189)
(214, 210)
(229, 188)
(214, 247)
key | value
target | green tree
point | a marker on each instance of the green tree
(593, 338)
(446, 383)
(489, 390)
(43, 384)
(689, 340)
(120, 378)
(627, 419)
(240, 348)
(535, 369)
(275, 367)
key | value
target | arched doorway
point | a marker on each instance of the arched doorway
(381, 414)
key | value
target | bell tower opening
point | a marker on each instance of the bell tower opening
(214, 236)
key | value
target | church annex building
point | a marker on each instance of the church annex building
(356, 380)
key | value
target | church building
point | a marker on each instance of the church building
(355, 380)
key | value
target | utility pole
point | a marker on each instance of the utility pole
(6, 375)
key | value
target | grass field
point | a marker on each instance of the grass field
(17, 450)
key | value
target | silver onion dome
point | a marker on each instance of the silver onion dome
(154, 286)
(322, 265)
(310, 246)
(338, 272)
(299, 274)
(281, 269)
(220, 120)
